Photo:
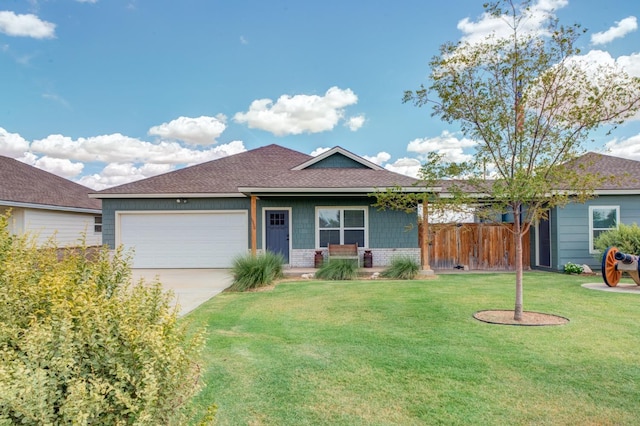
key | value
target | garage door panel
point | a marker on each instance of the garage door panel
(184, 240)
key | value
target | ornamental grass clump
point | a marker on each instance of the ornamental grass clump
(250, 272)
(80, 344)
(338, 269)
(401, 268)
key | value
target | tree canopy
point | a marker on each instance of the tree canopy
(531, 102)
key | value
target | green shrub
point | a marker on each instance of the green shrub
(401, 268)
(626, 238)
(572, 268)
(251, 272)
(81, 344)
(338, 269)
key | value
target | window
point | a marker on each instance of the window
(601, 219)
(341, 226)
(97, 224)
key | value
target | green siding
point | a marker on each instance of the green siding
(337, 161)
(387, 229)
(392, 229)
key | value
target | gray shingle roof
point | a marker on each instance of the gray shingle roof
(266, 168)
(25, 184)
(625, 171)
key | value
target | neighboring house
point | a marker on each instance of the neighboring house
(270, 198)
(46, 205)
(569, 233)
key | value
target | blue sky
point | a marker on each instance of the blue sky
(104, 92)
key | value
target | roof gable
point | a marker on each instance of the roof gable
(22, 184)
(338, 158)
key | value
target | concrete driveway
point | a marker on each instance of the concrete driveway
(191, 287)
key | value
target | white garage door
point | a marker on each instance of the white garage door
(184, 240)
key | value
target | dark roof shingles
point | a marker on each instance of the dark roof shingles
(22, 183)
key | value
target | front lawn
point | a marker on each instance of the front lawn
(410, 352)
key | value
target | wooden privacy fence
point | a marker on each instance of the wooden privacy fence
(476, 245)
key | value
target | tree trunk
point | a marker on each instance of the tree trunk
(517, 235)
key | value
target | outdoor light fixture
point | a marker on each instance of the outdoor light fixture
(182, 200)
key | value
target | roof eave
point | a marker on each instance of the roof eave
(170, 195)
(331, 191)
(49, 207)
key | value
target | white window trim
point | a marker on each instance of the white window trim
(591, 228)
(365, 209)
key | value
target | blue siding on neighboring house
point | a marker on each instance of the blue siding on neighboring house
(571, 242)
(110, 206)
(337, 161)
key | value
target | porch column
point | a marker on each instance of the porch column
(254, 237)
(424, 238)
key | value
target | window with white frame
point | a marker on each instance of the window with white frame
(601, 219)
(341, 225)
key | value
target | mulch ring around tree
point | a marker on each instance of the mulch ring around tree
(505, 317)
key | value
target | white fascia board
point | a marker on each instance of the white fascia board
(617, 192)
(170, 195)
(367, 190)
(49, 207)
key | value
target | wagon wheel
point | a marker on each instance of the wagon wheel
(610, 273)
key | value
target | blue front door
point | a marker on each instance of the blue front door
(277, 232)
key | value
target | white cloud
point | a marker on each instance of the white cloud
(120, 173)
(196, 131)
(631, 64)
(406, 166)
(59, 166)
(25, 26)
(379, 159)
(355, 123)
(87, 1)
(12, 144)
(533, 22)
(319, 151)
(621, 29)
(293, 115)
(446, 144)
(626, 148)
(118, 148)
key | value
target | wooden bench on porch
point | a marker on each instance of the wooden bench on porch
(344, 251)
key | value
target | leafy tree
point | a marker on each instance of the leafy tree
(531, 102)
(79, 344)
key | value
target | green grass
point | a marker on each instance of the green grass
(409, 352)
